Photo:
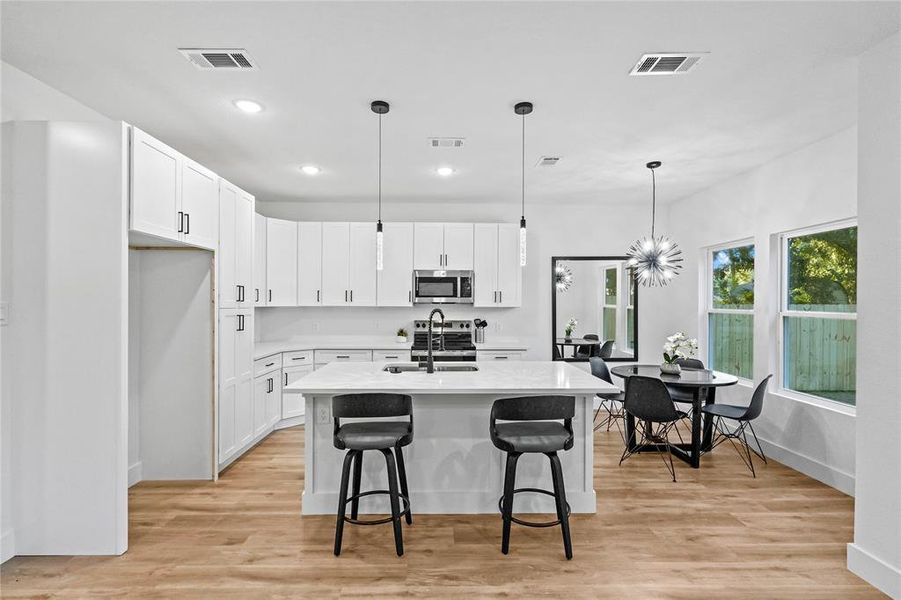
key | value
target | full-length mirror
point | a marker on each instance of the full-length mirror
(594, 308)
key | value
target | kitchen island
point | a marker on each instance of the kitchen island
(452, 466)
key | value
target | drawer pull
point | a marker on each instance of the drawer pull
(299, 358)
(342, 356)
(501, 357)
(386, 356)
(270, 364)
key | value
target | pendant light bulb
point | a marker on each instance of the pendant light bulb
(379, 107)
(522, 242)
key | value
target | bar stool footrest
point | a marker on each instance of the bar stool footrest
(500, 507)
(400, 515)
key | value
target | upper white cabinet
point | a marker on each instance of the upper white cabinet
(156, 171)
(497, 274)
(259, 260)
(309, 264)
(281, 262)
(172, 197)
(395, 280)
(362, 267)
(443, 246)
(199, 205)
(348, 264)
(235, 258)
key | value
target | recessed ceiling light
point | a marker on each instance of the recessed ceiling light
(444, 171)
(249, 106)
(311, 169)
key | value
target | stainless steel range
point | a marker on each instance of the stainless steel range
(451, 341)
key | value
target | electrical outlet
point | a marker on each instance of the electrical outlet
(322, 415)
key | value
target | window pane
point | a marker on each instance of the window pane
(731, 341)
(822, 271)
(820, 357)
(630, 328)
(609, 324)
(610, 286)
(733, 277)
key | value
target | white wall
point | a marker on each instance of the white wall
(816, 184)
(22, 97)
(875, 554)
(589, 230)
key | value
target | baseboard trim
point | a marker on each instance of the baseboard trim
(874, 571)
(135, 473)
(7, 545)
(289, 422)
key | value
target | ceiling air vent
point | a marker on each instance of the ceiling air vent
(446, 142)
(548, 161)
(670, 63)
(205, 59)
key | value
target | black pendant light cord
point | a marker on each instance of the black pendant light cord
(523, 165)
(380, 168)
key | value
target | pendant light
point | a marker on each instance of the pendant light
(522, 109)
(654, 260)
(379, 107)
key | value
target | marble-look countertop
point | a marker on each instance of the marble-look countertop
(492, 378)
(357, 342)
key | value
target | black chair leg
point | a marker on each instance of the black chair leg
(509, 486)
(395, 504)
(402, 472)
(358, 472)
(757, 441)
(342, 500)
(560, 500)
(744, 439)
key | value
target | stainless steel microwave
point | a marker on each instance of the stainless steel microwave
(442, 287)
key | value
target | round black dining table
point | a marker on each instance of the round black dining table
(575, 342)
(702, 384)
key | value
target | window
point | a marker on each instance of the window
(630, 311)
(609, 311)
(818, 317)
(730, 310)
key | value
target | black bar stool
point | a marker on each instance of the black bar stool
(535, 430)
(385, 436)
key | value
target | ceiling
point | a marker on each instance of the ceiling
(779, 76)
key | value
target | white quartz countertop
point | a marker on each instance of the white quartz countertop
(508, 377)
(356, 342)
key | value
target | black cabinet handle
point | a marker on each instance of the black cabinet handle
(342, 356)
(345, 295)
(410, 296)
(386, 356)
(501, 296)
(317, 295)
(270, 295)
(181, 221)
(269, 385)
(286, 379)
(187, 223)
(351, 295)
(240, 322)
(298, 358)
(270, 364)
(257, 291)
(501, 357)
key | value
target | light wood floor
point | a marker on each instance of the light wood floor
(717, 533)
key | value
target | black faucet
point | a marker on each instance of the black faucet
(430, 364)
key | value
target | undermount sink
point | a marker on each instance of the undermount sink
(407, 368)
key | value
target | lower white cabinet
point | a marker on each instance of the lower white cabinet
(262, 388)
(293, 404)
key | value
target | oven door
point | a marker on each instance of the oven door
(430, 288)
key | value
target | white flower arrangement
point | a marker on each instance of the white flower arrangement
(679, 346)
(571, 326)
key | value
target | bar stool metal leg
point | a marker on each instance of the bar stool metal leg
(342, 499)
(509, 485)
(402, 473)
(395, 504)
(560, 499)
(358, 473)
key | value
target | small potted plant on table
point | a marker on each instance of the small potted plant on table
(401, 336)
(570, 327)
(677, 346)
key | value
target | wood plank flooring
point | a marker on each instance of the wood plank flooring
(716, 533)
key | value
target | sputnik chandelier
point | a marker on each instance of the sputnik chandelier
(654, 260)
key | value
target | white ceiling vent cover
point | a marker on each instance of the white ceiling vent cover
(207, 59)
(446, 142)
(667, 63)
(548, 161)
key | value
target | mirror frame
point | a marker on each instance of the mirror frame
(554, 260)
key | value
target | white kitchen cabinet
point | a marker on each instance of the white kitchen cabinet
(497, 274)
(281, 262)
(309, 264)
(335, 257)
(235, 256)
(156, 171)
(199, 205)
(443, 246)
(395, 280)
(259, 260)
(235, 411)
(293, 404)
(244, 413)
(428, 246)
(262, 389)
(362, 265)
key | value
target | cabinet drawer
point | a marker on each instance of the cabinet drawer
(265, 365)
(499, 355)
(402, 354)
(327, 356)
(297, 359)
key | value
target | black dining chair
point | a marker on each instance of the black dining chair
(611, 402)
(648, 400)
(742, 416)
(682, 395)
(588, 350)
(606, 350)
(557, 354)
